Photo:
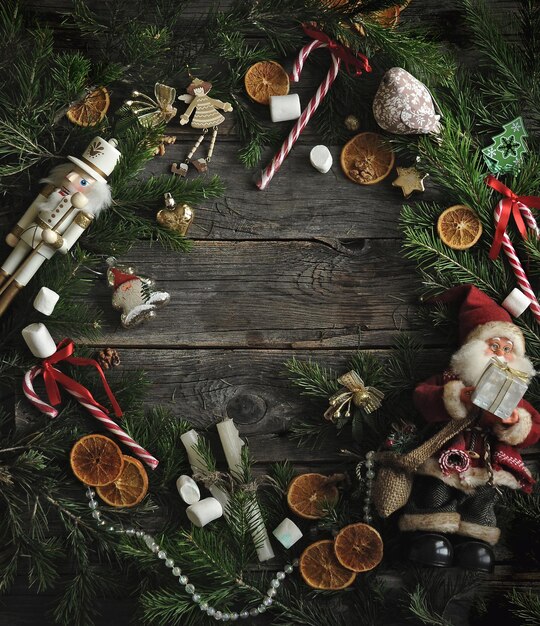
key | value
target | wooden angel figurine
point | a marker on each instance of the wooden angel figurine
(206, 116)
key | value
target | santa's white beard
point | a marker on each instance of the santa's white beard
(98, 194)
(470, 361)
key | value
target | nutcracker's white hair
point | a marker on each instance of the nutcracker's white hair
(98, 194)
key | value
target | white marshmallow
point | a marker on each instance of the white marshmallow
(204, 512)
(188, 489)
(39, 340)
(287, 533)
(46, 300)
(321, 159)
(285, 108)
(516, 302)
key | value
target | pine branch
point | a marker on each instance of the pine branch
(313, 379)
(526, 606)
(419, 607)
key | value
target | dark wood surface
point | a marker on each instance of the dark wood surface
(310, 267)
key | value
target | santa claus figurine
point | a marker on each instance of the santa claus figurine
(451, 508)
(73, 196)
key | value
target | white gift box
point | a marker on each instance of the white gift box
(500, 389)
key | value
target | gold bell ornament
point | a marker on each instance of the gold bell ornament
(354, 392)
(177, 217)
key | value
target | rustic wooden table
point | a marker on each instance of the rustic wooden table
(310, 267)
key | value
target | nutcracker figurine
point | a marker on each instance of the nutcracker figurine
(74, 194)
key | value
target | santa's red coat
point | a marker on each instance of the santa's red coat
(438, 400)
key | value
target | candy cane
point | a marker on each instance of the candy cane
(28, 390)
(110, 425)
(268, 173)
(513, 259)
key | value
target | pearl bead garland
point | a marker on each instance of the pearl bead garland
(189, 588)
(369, 464)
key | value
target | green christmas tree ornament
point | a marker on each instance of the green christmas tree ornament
(507, 149)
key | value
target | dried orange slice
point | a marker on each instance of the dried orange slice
(309, 495)
(265, 79)
(129, 488)
(387, 17)
(96, 460)
(358, 547)
(91, 109)
(366, 160)
(320, 568)
(459, 227)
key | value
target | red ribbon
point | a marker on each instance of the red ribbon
(53, 377)
(358, 61)
(509, 207)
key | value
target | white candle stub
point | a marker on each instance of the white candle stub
(188, 489)
(190, 440)
(516, 302)
(204, 512)
(321, 159)
(287, 533)
(39, 340)
(285, 108)
(46, 300)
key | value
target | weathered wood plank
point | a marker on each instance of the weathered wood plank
(280, 294)
(250, 386)
(300, 203)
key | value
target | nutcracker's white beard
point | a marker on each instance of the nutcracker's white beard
(98, 194)
(470, 361)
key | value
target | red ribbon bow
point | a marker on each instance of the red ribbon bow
(358, 61)
(53, 377)
(509, 207)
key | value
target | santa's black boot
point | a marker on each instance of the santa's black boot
(430, 549)
(474, 555)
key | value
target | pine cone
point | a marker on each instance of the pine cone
(108, 358)
(352, 123)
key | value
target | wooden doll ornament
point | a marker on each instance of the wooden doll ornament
(206, 116)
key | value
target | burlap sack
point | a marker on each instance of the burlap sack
(394, 480)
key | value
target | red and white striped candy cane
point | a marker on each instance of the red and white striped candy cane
(513, 259)
(110, 425)
(268, 173)
(28, 390)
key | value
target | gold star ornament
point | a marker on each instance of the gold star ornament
(410, 180)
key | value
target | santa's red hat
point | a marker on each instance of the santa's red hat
(119, 277)
(480, 317)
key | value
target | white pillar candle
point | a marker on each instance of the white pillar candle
(204, 512)
(287, 533)
(188, 489)
(190, 439)
(516, 302)
(321, 159)
(232, 446)
(285, 108)
(46, 300)
(39, 340)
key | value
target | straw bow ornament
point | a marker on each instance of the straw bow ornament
(354, 392)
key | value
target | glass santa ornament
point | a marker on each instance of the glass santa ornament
(135, 295)
(74, 194)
